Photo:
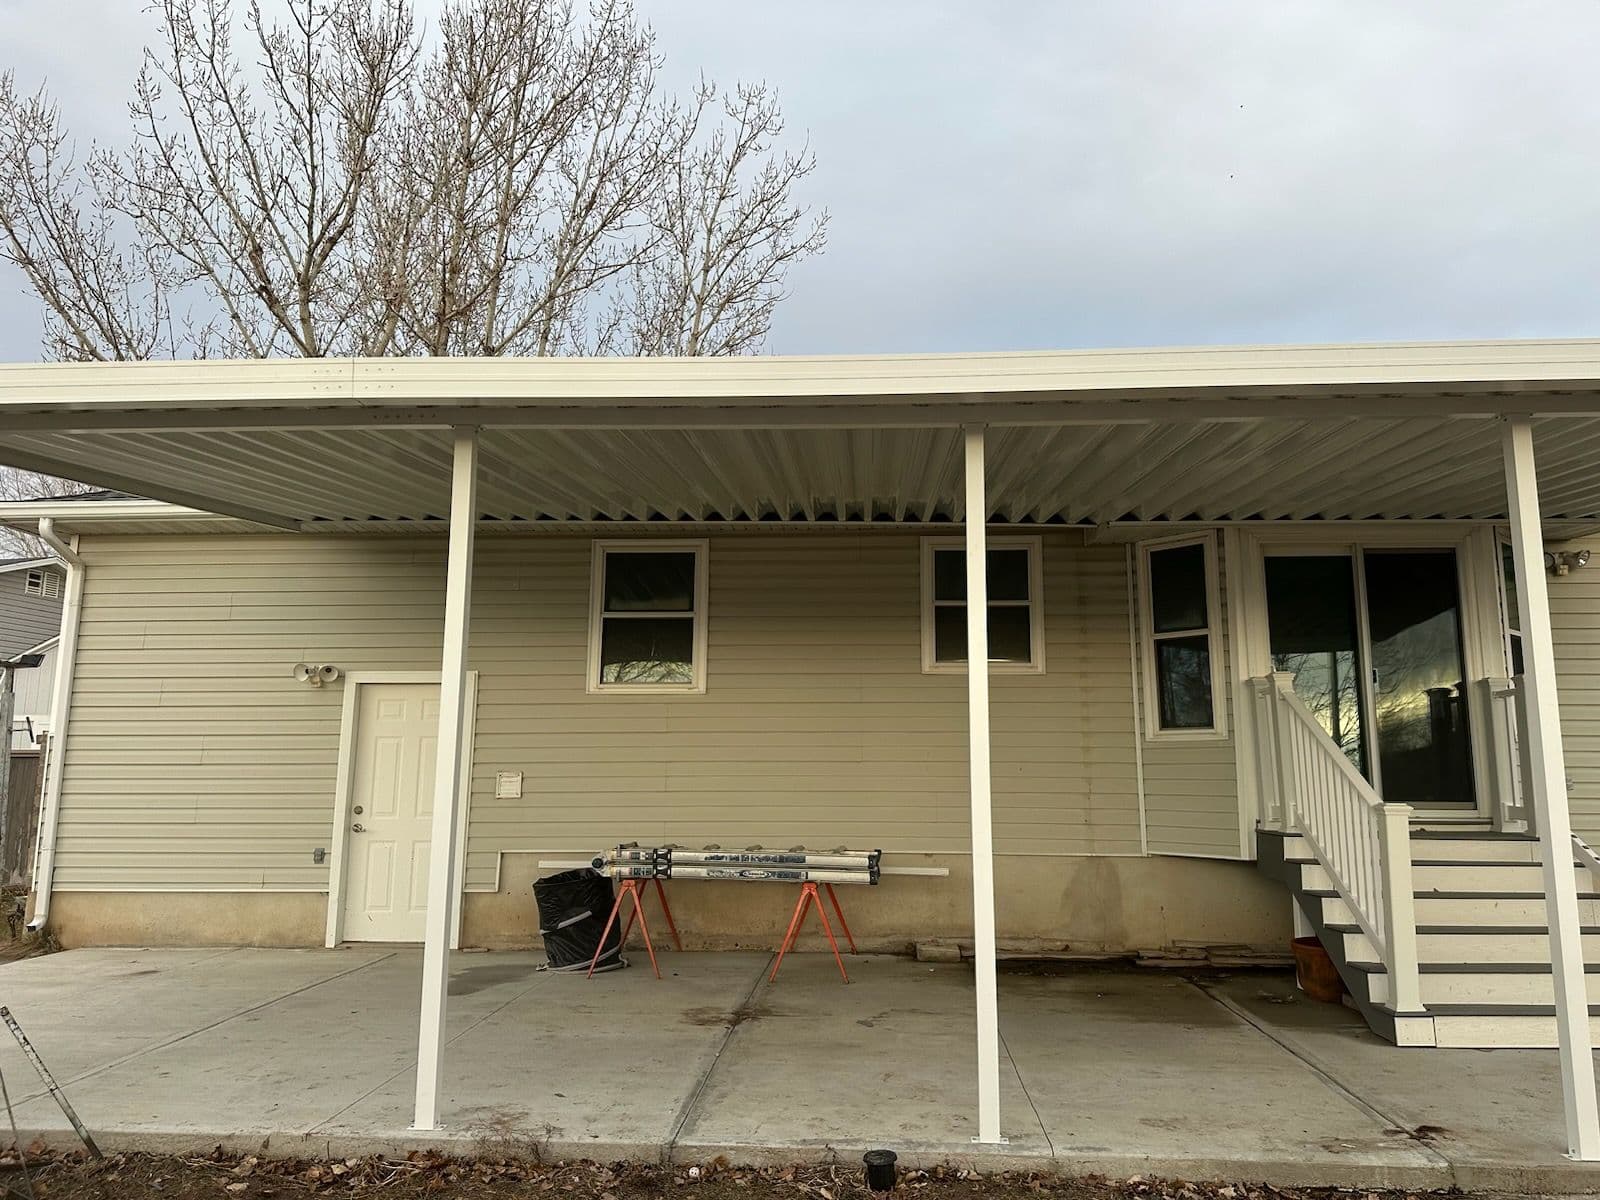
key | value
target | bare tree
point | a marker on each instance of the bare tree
(519, 183)
(17, 484)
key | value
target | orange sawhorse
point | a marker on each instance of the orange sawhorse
(635, 889)
(808, 895)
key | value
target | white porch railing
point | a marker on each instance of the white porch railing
(1309, 787)
(1506, 706)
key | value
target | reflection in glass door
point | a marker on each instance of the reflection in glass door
(1311, 616)
(1374, 641)
(1418, 677)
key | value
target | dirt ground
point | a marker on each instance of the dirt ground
(220, 1177)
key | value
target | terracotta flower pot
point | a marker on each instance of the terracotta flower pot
(1319, 978)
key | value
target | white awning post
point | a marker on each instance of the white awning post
(442, 883)
(983, 954)
(1548, 785)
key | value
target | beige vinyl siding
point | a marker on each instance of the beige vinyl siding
(1191, 786)
(1575, 622)
(196, 760)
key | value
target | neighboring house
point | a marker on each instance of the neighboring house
(31, 597)
(33, 691)
(31, 592)
(1253, 621)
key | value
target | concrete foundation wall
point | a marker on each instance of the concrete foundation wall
(188, 918)
(1082, 905)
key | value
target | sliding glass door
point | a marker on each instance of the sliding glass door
(1373, 638)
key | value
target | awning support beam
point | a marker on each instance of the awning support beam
(983, 935)
(1548, 786)
(443, 886)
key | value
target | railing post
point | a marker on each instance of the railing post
(1524, 767)
(1496, 692)
(1288, 783)
(1270, 797)
(1399, 908)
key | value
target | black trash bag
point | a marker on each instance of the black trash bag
(573, 907)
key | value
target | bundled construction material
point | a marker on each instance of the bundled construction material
(754, 865)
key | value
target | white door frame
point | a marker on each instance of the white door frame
(1480, 623)
(344, 785)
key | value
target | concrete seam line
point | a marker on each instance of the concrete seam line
(1315, 1066)
(1026, 1095)
(189, 1033)
(409, 1063)
(682, 1119)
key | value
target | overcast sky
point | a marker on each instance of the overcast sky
(1034, 175)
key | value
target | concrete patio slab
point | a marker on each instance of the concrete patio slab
(1128, 1069)
(1119, 1071)
(1494, 1114)
(888, 1060)
(588, 1068)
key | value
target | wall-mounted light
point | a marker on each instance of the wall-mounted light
(316, 674)
(1564, 562)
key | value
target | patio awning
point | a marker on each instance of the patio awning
(1333, 433)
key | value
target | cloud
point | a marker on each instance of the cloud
(1040, 175)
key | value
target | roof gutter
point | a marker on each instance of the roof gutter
(44, 861)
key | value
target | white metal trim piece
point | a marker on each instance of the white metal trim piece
(1549, 796)
(44, 845)
(1236, 567)
(1138, 701)
(1217, 731)
(344, 783)
(701, 548)
(442, 899)
(983, 918)
(1034, 545)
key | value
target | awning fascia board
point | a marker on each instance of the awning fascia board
(1481, 379)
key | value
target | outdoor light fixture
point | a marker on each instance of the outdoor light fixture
(1564, 562)
(316, 674)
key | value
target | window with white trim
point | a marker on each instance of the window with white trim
(647, 623)
(43, 583)
(1016, 604)
(1179, 604)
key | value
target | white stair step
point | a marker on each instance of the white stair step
(1480, 984)
(1483, 944)
(1531, 1027)
(1448, 909)
(1488, 877)
(1474, 849)
(1452, 911)
(1461, 877)
(1516, 944)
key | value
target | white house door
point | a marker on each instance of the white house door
(391, 812)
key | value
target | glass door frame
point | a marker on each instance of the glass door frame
(1482, 625)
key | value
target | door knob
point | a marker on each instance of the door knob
(358, 828)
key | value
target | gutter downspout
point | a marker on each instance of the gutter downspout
(44, 862)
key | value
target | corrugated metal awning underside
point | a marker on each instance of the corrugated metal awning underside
(1333, 469)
